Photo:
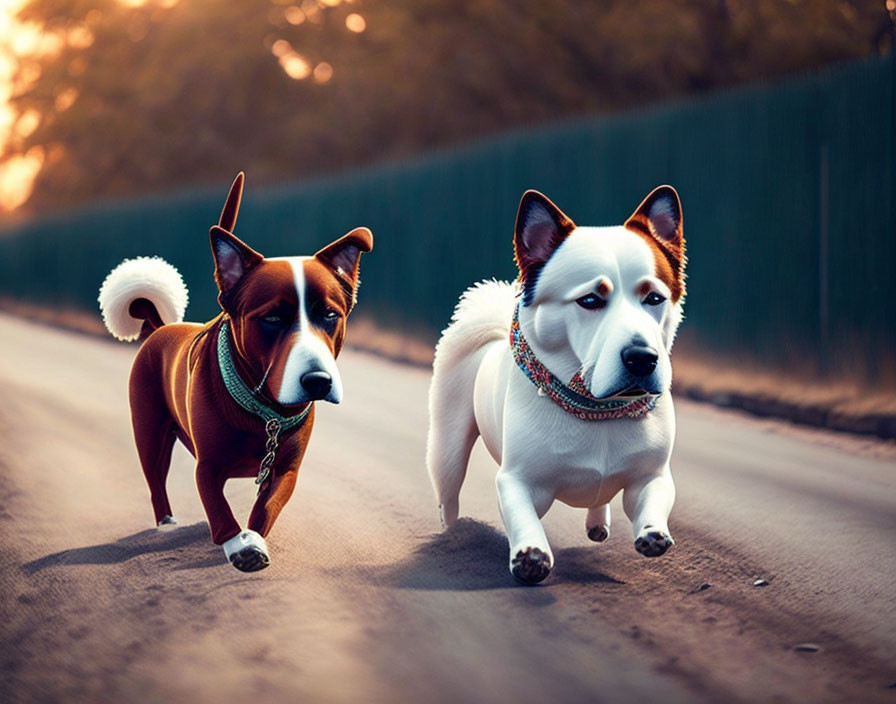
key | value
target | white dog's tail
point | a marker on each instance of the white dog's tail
(141, 295)
(482, 316)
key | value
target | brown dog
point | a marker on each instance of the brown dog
(238, 391)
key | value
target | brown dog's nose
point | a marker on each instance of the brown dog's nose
(639, 360)
(316, 384)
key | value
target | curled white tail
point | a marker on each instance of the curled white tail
(150, 278)
(482, 315)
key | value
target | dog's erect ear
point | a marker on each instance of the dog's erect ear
(233, 259)
(541, 227)
(344, 257)
(232, 204)
(659, 217)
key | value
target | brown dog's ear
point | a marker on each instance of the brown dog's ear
(344, 257)
(233, 259)
(232, 204)
(541, 227)
(659, 217)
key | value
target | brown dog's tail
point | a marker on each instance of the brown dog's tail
(141, 295)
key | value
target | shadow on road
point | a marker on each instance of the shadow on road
(142, 543)
(472, 555)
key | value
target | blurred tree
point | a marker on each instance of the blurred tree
(146, 95)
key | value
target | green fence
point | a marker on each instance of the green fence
(789, 193)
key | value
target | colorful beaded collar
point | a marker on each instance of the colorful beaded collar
(573, 398)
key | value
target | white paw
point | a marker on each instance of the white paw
(247, 551)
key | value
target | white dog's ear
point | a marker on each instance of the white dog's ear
(659, 217)
(233, 260)
(541, 227)
(344, 257)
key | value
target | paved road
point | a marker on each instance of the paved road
(367, 601)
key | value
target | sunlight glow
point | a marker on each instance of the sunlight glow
(80, 37)
(27, 123)
(323, 72)
(17, 176)
(65, 99)
(355, 23)
(281, 48)
(294, 15)
(295, 66)
(21, 43)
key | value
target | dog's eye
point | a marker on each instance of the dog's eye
(277, 317)
(653, 299)
(331, 314)
(591, 301)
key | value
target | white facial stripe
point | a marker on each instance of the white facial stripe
(308, 353)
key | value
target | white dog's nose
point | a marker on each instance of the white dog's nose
(640, 360)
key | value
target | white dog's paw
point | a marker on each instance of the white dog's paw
(599, 533)
(653, 543)
(247, 551)
(531, 565)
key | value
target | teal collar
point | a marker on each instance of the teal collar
(245, 397)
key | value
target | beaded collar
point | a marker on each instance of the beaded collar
(573, 398)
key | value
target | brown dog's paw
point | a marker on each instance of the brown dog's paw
(654, 543)
(531, 566)
(250, 559)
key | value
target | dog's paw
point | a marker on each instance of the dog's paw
(250, 559)
(247, 551)
(599, 533)
(531, 565)
(653, 543)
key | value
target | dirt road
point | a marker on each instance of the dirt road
(366, 601)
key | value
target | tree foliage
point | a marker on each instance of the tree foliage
(170, 93)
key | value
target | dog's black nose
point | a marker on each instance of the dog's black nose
(639, 360)
(316, 384)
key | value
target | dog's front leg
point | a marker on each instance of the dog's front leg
(648, 503)
(271, 500)
(522, 507)
(246, 550)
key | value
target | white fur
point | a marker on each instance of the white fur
(545, 453)
(308, 352)
(144, 277)
(243, 540)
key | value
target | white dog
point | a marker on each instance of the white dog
(566, 377)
